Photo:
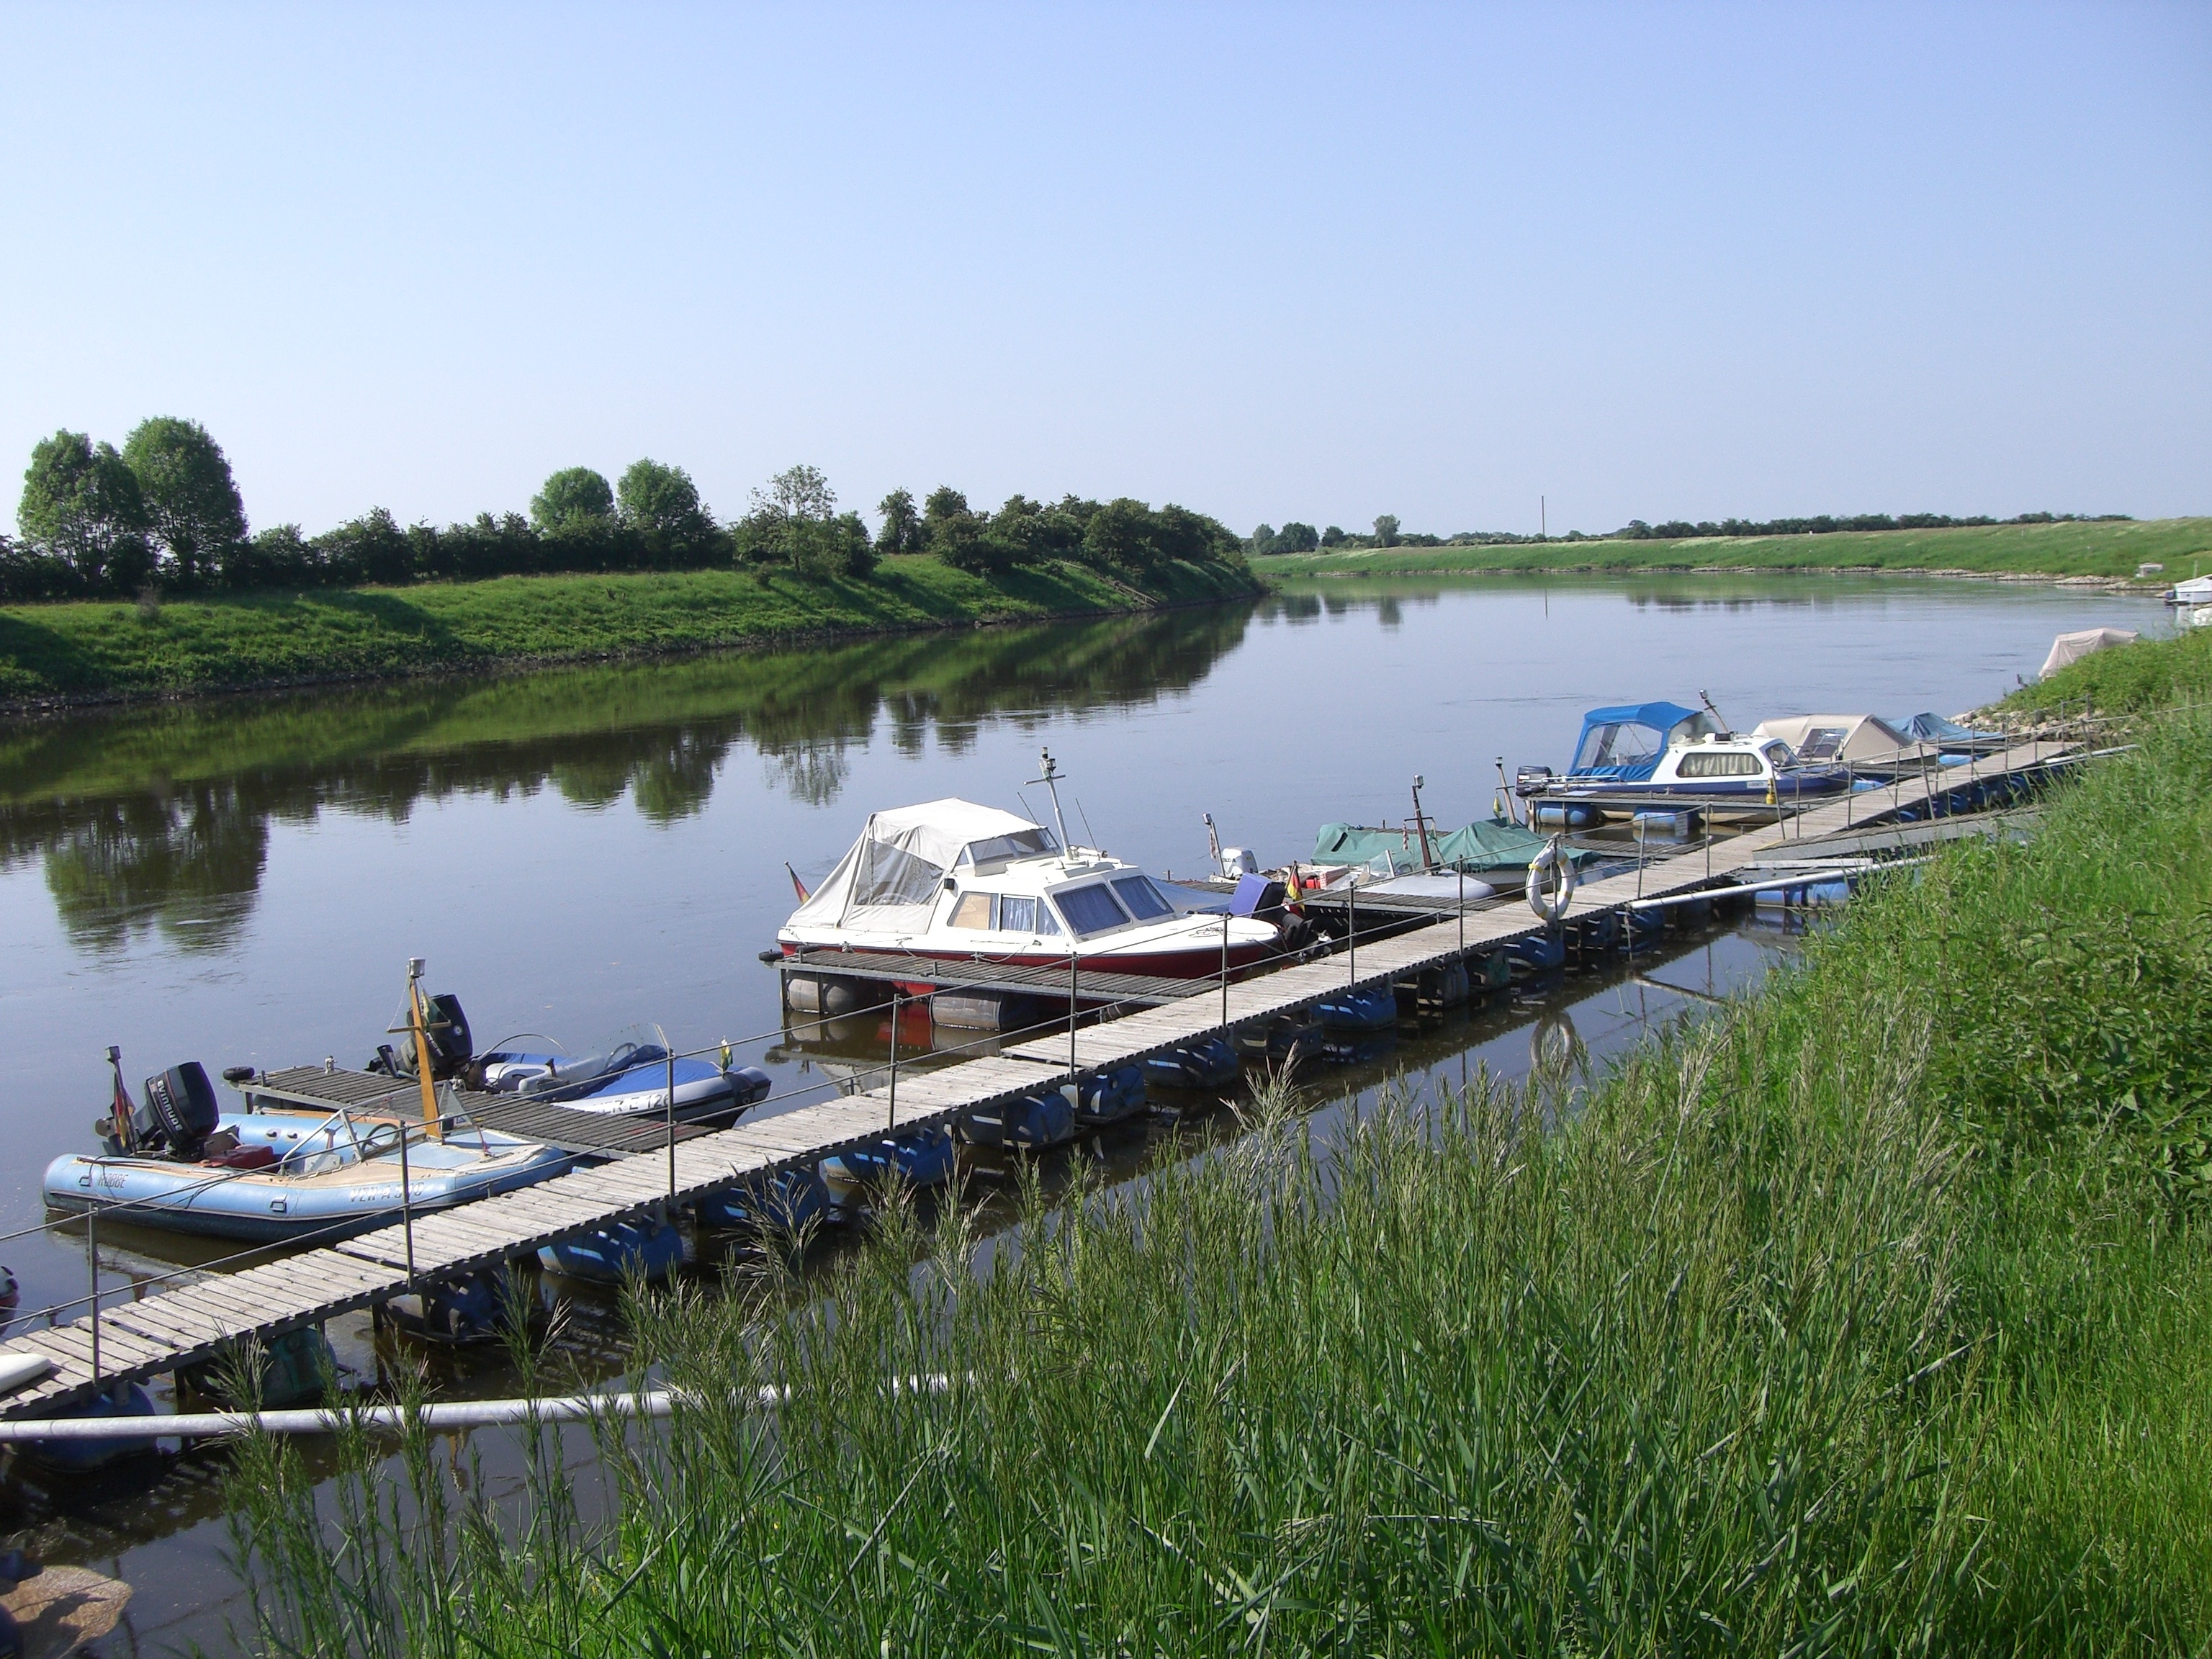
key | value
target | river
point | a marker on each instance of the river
(242, 880)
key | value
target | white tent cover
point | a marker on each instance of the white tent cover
(1827, 739)
(889, 882)
(2072, 647)
(2198, 590)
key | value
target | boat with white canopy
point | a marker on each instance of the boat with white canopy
(953, 881)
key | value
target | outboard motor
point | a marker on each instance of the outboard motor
(452, 1047)
(180, 1111)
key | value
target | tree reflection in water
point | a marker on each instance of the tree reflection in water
(159, 817)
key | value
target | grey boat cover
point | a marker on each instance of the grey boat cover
(1486, 844)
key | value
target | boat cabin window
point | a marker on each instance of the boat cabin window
(1003, 913)
(1142, 899)
(1778, 755)
(1025, 915)
(1089, 910)
(1022, 844)
(1717, 764)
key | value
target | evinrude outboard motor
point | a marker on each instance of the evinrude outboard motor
(179, 1112)
(452, 1047)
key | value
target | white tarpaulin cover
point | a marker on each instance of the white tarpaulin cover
(2198, 590)
(1827, 739)
(2072, 647)
(889, 882)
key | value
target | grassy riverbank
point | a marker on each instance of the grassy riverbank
(1872, 1315)
(2040, 549)
(2128, 680)
(108, 648)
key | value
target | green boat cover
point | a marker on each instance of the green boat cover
(1486, 844)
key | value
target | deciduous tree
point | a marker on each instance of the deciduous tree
(191, 501)
(572, 496)
(901, 525)
(82, 504)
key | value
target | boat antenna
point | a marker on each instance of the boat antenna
(1706, 698)
(1087, 830)
(1051, 781)
(1421, 825)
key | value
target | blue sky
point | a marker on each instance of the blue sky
(1273, 263)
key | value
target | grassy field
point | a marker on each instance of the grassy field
(1871, 1315)
(258, 638)
(2127, 679)
(2046, 550)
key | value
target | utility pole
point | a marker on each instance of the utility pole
(1543, 519)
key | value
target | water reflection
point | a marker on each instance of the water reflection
(159, 818)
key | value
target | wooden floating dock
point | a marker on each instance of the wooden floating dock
(160, 1333)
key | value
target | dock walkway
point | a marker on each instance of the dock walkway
(162, 1333)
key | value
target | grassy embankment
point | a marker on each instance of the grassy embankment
(2040, 549)
(103, 648)
(1874, 1313)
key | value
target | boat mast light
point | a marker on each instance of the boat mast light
(1051, 781)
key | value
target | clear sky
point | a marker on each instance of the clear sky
(1273, 263)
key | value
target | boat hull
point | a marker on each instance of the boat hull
(1199, 963)
(275, 1204)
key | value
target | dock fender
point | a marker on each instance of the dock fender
(1549, 866)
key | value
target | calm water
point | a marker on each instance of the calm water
(244, 881)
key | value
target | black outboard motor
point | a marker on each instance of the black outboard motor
(452, 1047)
(180, 1111)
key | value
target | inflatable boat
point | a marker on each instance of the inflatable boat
(180, 1163)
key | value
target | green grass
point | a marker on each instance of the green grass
(2128, 680)
(2051, 550)
(1872, 1314)
(260, 639)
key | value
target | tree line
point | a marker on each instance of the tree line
(163, 514)
(1301, 538)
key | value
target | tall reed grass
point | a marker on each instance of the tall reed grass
(1868, 1316)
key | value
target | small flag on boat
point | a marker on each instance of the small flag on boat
(802, 894)
(121, 1107)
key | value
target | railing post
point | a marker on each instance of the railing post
(1352, 931)
(671, 1128)
(92, 1266)
(1224, 968)
(1071, 1014)
(1462, 909)
(406, 1204)
(893, 1123)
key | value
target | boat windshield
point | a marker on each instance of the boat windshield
(1618, 743)
(643, 1045)
(1142, 899)
(1090, 909)
(1022, 844)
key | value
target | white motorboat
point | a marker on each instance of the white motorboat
(952, 880)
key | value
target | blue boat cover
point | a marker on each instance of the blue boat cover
(1636, 763)
(1934, 728)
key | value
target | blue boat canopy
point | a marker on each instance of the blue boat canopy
(1625, 742)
